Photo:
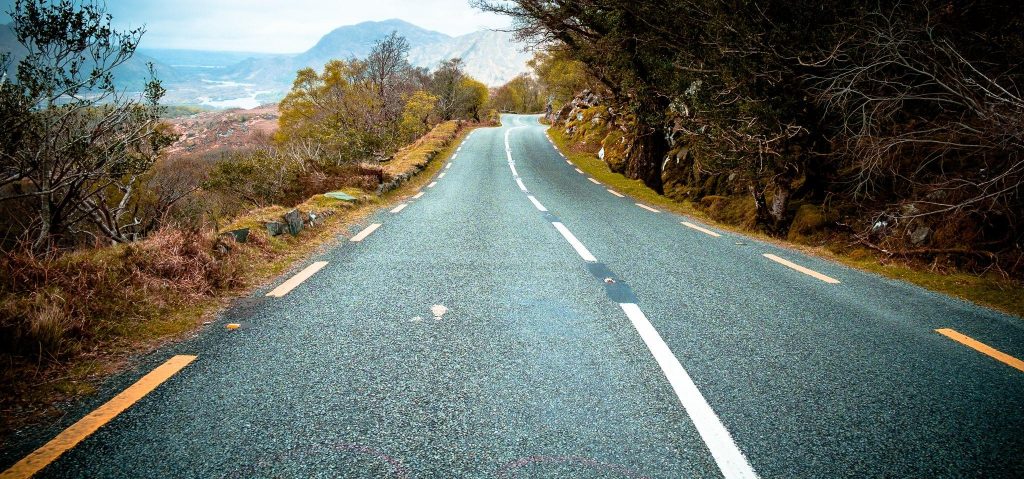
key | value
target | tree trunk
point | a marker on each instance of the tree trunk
(779, 203)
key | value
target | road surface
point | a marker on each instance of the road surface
(520, 320)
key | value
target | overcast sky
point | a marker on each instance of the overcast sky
(278, 26)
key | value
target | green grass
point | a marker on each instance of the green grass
(988, 290)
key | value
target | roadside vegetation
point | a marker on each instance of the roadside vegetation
(110, 245)
(890, 134)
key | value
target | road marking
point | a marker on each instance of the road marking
(594, 181)
(801, 269)
(578, 170)
(701, 229)
(512, 166)
(364, 233)
(560, 154)
(417, 195)
(441, 175)
(576, 244)
(568, 162)
(616, 193)
(458, 149)
(536, 203)
(400, 207)
(432, 184)
(449, 165)
(453, 156)
(982, 348)
(730, 459)
(648, 208)
(296, 280)
(77, 432)
(519, 181)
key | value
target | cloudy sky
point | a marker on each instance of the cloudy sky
(278, 26)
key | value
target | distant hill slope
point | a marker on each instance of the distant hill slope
(491, 57)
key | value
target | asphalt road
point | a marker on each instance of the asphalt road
(473, 334)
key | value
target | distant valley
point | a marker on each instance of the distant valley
(218, 79)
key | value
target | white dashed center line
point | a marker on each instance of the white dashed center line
(417, 195)
(728, 456)
(536, 203)
(432, 184)
(364, 233)
(441, 175)
(648, 208)
(400, 207)
(701, 229)
(576, 244)
(801, 269)
(449, 165)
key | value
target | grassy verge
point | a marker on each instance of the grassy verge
(140, 296)
(988, 290)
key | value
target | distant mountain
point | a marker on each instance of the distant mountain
(353, 41)
(491, 57)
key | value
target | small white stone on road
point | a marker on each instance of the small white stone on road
(438, 311)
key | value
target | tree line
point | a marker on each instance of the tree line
(894, 114)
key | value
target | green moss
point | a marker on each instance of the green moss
(807, 222)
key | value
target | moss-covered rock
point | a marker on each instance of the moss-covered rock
(614, 146)
(807, 222)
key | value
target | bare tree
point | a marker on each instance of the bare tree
(79, 144)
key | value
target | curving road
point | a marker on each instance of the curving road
(520, 320)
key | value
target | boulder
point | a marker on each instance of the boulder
(294, 221)
(240, 235)
(920, 234)
(340, 195)
(275, 228)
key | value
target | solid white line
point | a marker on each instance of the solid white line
(441, 175)
(576, 245)
(296, 280)
(519, 181)
(594, 181)
(536, 203)
(578, 170)
(364, 233)
(431, 185)
(801, 269)
(400, 207)
(512, 166)
(417, 195)
(648, 208)
(616, 193)
(728, 456)
(701, 229)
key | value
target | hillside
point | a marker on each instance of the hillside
(491, 57)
